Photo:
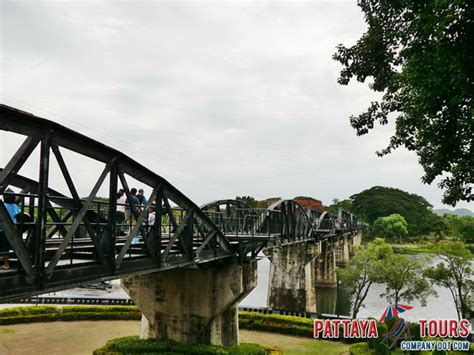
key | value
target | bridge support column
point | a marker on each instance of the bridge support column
(192, 305)
(291, 284)
(342, 251)
(357, 239)
(355, 242)
(326, 266)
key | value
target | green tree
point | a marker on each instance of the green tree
(460, 227)
(249, 200)
(403, 279)
(393, 226)
(454, 273)
(420, 55)
(358, 275)
(380, 201)
(267, 202)
(439, 227)
(344, 204)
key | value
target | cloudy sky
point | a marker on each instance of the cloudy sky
(220, 98)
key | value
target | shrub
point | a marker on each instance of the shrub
(101, 309)
(100, 316)
(246, 348)
(21, 311)
(360, 349)
(276, 323)
(30, 318)
(16, 315)
(134, 345)
(376, 344)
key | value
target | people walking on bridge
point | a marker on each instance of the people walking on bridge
(141, 197)
(13, 211)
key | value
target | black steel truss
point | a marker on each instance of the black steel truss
(70, 240)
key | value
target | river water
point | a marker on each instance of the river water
(336, 301)
(329, 300)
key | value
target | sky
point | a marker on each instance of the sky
(220, 98)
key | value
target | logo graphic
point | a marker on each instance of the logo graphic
(398, 331)
(443, 328)
(400, 328)
(393, 310)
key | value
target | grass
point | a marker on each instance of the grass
(269, 330)
(293, 335)
(85, 336)
(424, 249)
(7, 331)
(62, 338)
(289, 344)
(247, 320)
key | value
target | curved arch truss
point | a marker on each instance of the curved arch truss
(232, 217)
(325, 223)
(62, 239)
(290, 220)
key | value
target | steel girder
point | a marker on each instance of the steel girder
(52, 241)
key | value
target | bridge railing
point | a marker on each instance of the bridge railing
(245, 222)
(80, 247)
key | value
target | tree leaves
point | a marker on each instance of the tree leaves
(454, 273)
(421, 56)
(393, 226)
(379, 201)
(361, 271)
(404, 280)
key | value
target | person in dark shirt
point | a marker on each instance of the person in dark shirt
(135, 201)
(131, 217)
(141, 197)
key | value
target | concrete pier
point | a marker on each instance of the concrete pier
(342, 251)
(291, 283)
(354, 242)
(325, 266)
(193, 305)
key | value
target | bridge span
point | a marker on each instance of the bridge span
(186, 269)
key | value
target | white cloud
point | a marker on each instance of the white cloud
(220, 98)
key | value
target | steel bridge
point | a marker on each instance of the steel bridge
(61, 240)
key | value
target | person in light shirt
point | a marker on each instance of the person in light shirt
(120, 217)
(151, 216)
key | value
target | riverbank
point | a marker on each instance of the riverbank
(421, 247)
(85, 336)
(414, 248)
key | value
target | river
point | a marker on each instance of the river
(336, 301)
(329, 300)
